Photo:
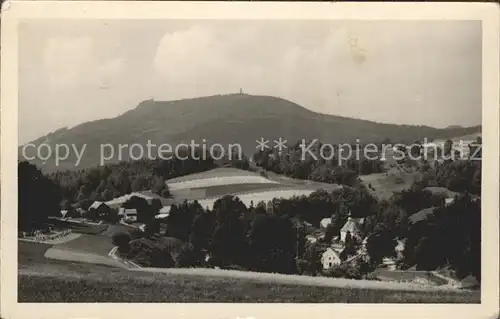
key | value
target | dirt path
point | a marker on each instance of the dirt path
(82, 257)
(295, 279)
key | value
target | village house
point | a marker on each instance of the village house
(330, 258)
(353, 226)
(128, 214)
(325, 222)
(100, 208)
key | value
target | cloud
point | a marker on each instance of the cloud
(67, 59)
(71, 63)
(217, 60)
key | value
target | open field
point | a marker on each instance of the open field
(80, 228)
(116, 228)
(385, 184)
(48, 280)
(72, 282)
(209, 186)
(100, 245)
(220, 181)
(31, 252)
(221, 190)
(214, 173)
(241, 188)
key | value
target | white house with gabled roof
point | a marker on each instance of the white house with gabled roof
(330, 258)
(353, 226)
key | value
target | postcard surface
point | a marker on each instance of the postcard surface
(249, 160)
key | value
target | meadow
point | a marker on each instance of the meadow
(74, 282)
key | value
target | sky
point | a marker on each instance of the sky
(403, 72)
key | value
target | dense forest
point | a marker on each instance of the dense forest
(322, 164)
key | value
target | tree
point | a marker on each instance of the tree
(350, 246)
(271, 253)
(228, 243)
(122, 241)
(426, 254)
(144, 210)
(380, 244)
(313, 256)
(181, 218)
(448, 145)
(156, 205)
(38, 197)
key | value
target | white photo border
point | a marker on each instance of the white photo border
(15, 11)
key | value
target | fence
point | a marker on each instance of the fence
(38, 236)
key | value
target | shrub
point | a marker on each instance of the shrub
(302, 266)
(347, 270)
(149, 254)
(136, 233)
(122, 240)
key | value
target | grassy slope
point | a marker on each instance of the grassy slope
(73, 282)
(216, 172)
(43, 280)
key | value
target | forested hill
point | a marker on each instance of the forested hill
(226, 119)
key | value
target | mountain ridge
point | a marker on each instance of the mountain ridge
(232, 118)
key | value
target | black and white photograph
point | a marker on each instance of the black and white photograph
(250, 160)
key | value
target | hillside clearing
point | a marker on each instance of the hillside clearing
(386, 184)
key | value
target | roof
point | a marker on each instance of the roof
(441, 190)
(96, 205)
(352, 225)
(331, 250)
(161, 216)
(122, 199)
(129, 211)
(422, 215)
(165, 210)
(325, 222)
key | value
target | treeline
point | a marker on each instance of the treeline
(322, 164)
(38, 197)
(457, 176)
(451, 237)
